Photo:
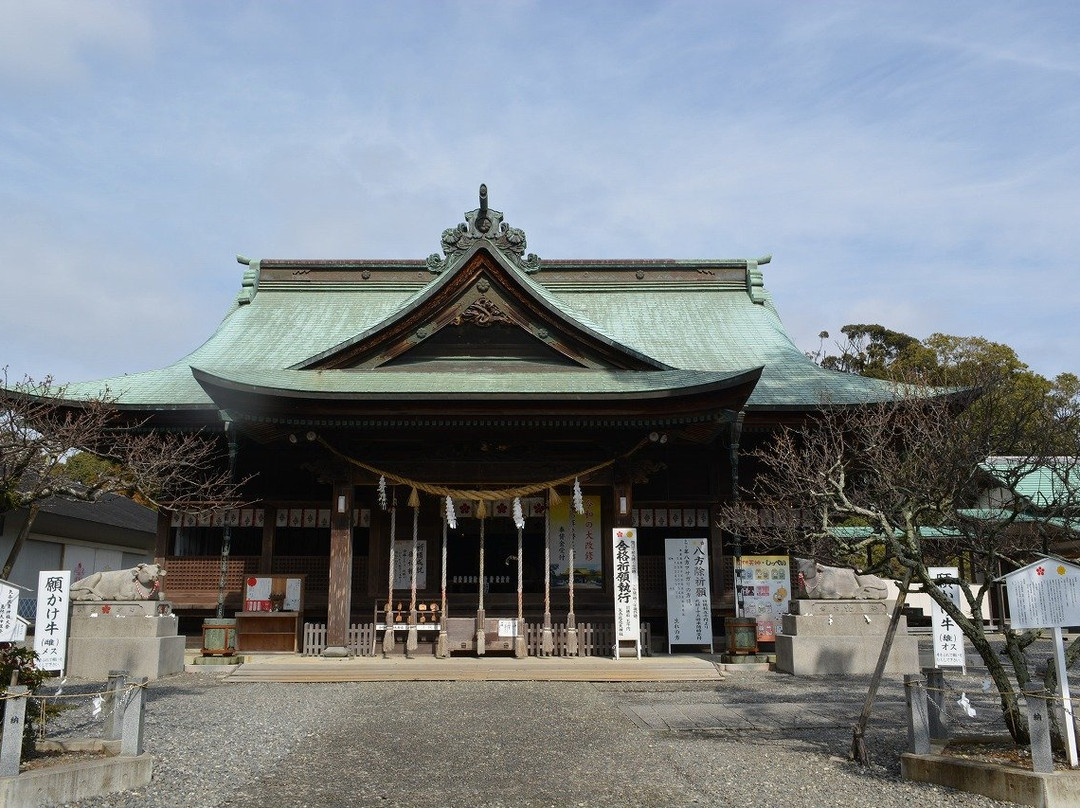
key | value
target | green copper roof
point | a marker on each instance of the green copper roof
(704, 319)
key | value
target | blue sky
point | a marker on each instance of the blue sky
(913, 164)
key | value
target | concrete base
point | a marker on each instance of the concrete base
(152, 657)
(67, 782)
(336, 652)
(1002, 783)
(842, 637)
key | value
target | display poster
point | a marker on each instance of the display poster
(9, 612)
(51, 626)
(627, 601)
(508, 627)
(569, 528)
(763, 591)
(688, 603)
(948, 641)
(403, 564)
(272, 593)
(1044, 595)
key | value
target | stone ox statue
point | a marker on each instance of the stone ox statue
(819, 582)
(141, 582)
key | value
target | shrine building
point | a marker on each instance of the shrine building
(499, 413)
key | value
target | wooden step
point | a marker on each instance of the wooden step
(479, 670)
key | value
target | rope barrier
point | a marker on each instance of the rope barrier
(991, 694)
(489, 495)
(6, 696)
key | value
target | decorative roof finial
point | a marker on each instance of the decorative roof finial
(483, 224)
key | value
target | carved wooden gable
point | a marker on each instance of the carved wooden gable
(481, 312)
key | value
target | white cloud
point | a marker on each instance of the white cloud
(48, 43)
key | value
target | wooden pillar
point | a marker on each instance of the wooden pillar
(269, 533)
(339, 605)
(624, 504)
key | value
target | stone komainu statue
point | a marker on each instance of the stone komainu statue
(141, 582)
(821, 582)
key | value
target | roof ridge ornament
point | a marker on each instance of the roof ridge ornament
(483, 224)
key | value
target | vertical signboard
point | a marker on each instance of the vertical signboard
(579, 530)
(688, 603)
(948, 641)
(9, 612)
(403, 564)
(763, 591)
(51, 628)
(627, 602)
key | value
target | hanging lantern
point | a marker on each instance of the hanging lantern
(382, 493)
(451, 514)
(519, 517)
(579, 502)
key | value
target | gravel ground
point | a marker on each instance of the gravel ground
(419, 744)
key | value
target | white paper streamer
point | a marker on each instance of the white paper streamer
(965, 703)
(579, 503)
(382, 493)
(519, 517)
(451, 513)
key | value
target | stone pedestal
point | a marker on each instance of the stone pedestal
(138, 636)
(842, 637)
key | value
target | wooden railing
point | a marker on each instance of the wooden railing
(594, 639)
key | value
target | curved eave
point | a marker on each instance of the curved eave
(303, 395)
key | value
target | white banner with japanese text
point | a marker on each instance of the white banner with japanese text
(9, 613)
(689, 606)
(627, 603)
(51, 626)
(948, 641)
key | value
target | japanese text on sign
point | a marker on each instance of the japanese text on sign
(688, 598)
(1044, 595)
(627, 607)
(51, 628)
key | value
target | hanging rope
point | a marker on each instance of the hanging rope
(489, 495)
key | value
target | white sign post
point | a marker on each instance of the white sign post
(627, 602)
(949, 649)
(51, 628)
(9, 612)
(688, 604)
(1046, 594)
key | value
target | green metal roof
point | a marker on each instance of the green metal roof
(1050, 485)
(705, 319)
